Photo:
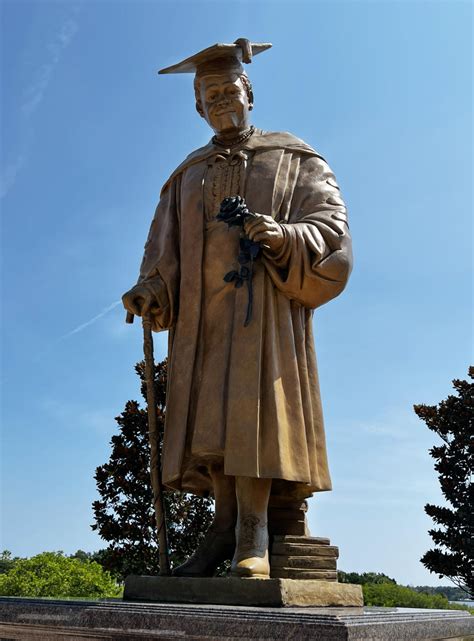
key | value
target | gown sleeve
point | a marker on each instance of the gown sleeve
(159, 270)
(315, 261)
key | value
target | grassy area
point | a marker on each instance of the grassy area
(393, 595)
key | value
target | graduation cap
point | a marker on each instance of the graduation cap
(219, 57)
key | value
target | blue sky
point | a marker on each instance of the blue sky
(89, 134)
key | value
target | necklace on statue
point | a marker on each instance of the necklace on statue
(233, 142)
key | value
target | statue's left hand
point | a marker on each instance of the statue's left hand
(263, 229)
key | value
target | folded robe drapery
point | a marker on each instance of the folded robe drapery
(273, 422)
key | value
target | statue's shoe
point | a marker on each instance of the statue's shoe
(215, 548)
(251, 568)
(251, 554)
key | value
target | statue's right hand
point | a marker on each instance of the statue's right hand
(140, 300)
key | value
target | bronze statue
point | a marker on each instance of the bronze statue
(237, 295)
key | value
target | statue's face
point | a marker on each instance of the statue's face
(224, 103)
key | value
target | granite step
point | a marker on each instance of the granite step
(296, 573)
(303, 562)
(298, 549)
(305, 540)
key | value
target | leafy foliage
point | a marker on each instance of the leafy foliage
(51, 574)
(7, 561)
(449, 591)
(381, 590)
(453, 421)
(124, 515)
(393, 595)
(376, 578)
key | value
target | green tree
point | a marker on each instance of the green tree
(51, 574)
(82, 556)
(399, 596)
(7, 561)
(124, 515)
(376, 578)
(449, 591)
(453, 421)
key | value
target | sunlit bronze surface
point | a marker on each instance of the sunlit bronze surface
(244, 415)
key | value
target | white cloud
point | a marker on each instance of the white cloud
(392, 425)
(91, 321)
(7, 180)
(75, 417)
(34, 94)
(118, 328)
(375, 486)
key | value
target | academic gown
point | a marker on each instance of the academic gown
(247, 396)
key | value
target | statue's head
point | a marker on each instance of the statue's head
(223, 92)
(224, 98)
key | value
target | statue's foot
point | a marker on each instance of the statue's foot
(254, 567)
(215, 548)
(251, 555)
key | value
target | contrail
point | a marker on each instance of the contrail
(79, 328)
(34, 94)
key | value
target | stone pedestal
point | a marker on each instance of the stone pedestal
(235, 591)
(48, 620)
(303, 557)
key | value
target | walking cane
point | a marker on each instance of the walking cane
(155, 462)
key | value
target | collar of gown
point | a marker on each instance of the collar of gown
(258, 141)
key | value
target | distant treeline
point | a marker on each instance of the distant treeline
(450, 592)
(381, 590)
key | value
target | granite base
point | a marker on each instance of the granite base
(49, 620)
